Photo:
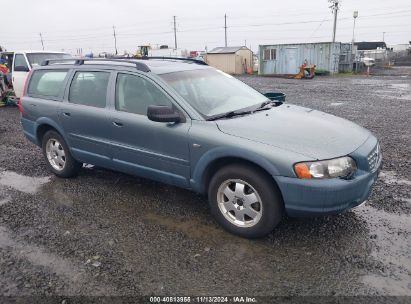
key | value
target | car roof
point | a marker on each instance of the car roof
(170, 66)
(40, 52)
(156, 66)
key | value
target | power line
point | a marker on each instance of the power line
(83, 37)
(91, 37)
(155, 21)
(242, 25)
(299, 29)
(280, 23)
(312, 34)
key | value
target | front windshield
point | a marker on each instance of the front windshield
(212, 92)
(38, 58)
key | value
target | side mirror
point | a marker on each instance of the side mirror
(163, 114)
(21, 68)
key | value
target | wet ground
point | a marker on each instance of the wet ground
(107, 233)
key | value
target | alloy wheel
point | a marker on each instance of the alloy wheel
(55, 154)
(239, 202)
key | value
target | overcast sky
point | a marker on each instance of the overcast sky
(87, 24)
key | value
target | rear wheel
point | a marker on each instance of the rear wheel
(245, 201)
(57, 155)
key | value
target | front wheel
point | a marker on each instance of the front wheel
(245, 201)
(58, 156)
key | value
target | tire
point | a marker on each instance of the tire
(231, 206)
(58, 156)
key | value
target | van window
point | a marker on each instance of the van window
(89, 89)
(38, 58)
(134, 94)
(47, 83)
(20, 61)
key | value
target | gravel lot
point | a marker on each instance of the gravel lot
(107, 233)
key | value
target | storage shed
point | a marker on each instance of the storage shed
(286, 59)
(232, 60)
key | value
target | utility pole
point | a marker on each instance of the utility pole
(355, 15)
(175, 32)
(225, 29)
(41, 39)
(383, 36)
(115, 39)
(334, 9)
(353, 54)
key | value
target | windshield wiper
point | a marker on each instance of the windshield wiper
(266, 105)
(270, 103)
(229, 115)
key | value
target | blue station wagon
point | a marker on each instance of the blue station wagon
(186, 124)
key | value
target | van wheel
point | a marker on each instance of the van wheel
(57, 155)
(245, 201)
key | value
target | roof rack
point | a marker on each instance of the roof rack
(80, 61)
(200, 62)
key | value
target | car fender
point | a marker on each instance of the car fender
(198, 177)
(47, 121)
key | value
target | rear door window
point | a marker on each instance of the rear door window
(47, 83)
(89, 89)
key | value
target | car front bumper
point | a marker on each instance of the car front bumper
(305, 197)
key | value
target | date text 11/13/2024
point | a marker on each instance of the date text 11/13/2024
(203, 299)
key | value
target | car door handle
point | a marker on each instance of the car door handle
(117, 124)
(67, 114)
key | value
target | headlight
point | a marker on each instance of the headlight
(338, 167)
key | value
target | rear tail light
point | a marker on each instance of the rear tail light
(20, 106)
(20, 103)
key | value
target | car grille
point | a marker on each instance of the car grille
(374, 158)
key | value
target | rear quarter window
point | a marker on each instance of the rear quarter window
(47, 83)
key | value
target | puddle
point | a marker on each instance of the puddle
(388, 285)
(336, 104)
(57, 195)
(392, 228)
(403, 199)
(76, 278)
(38, 256)
(403, 86)
(210, 234)
(392, 243)
(188, 227)
(406, 97)
(22, 183)
(4, 201)
(390, 177)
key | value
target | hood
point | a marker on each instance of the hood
(305, 131)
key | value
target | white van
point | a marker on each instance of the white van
(24, 61)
